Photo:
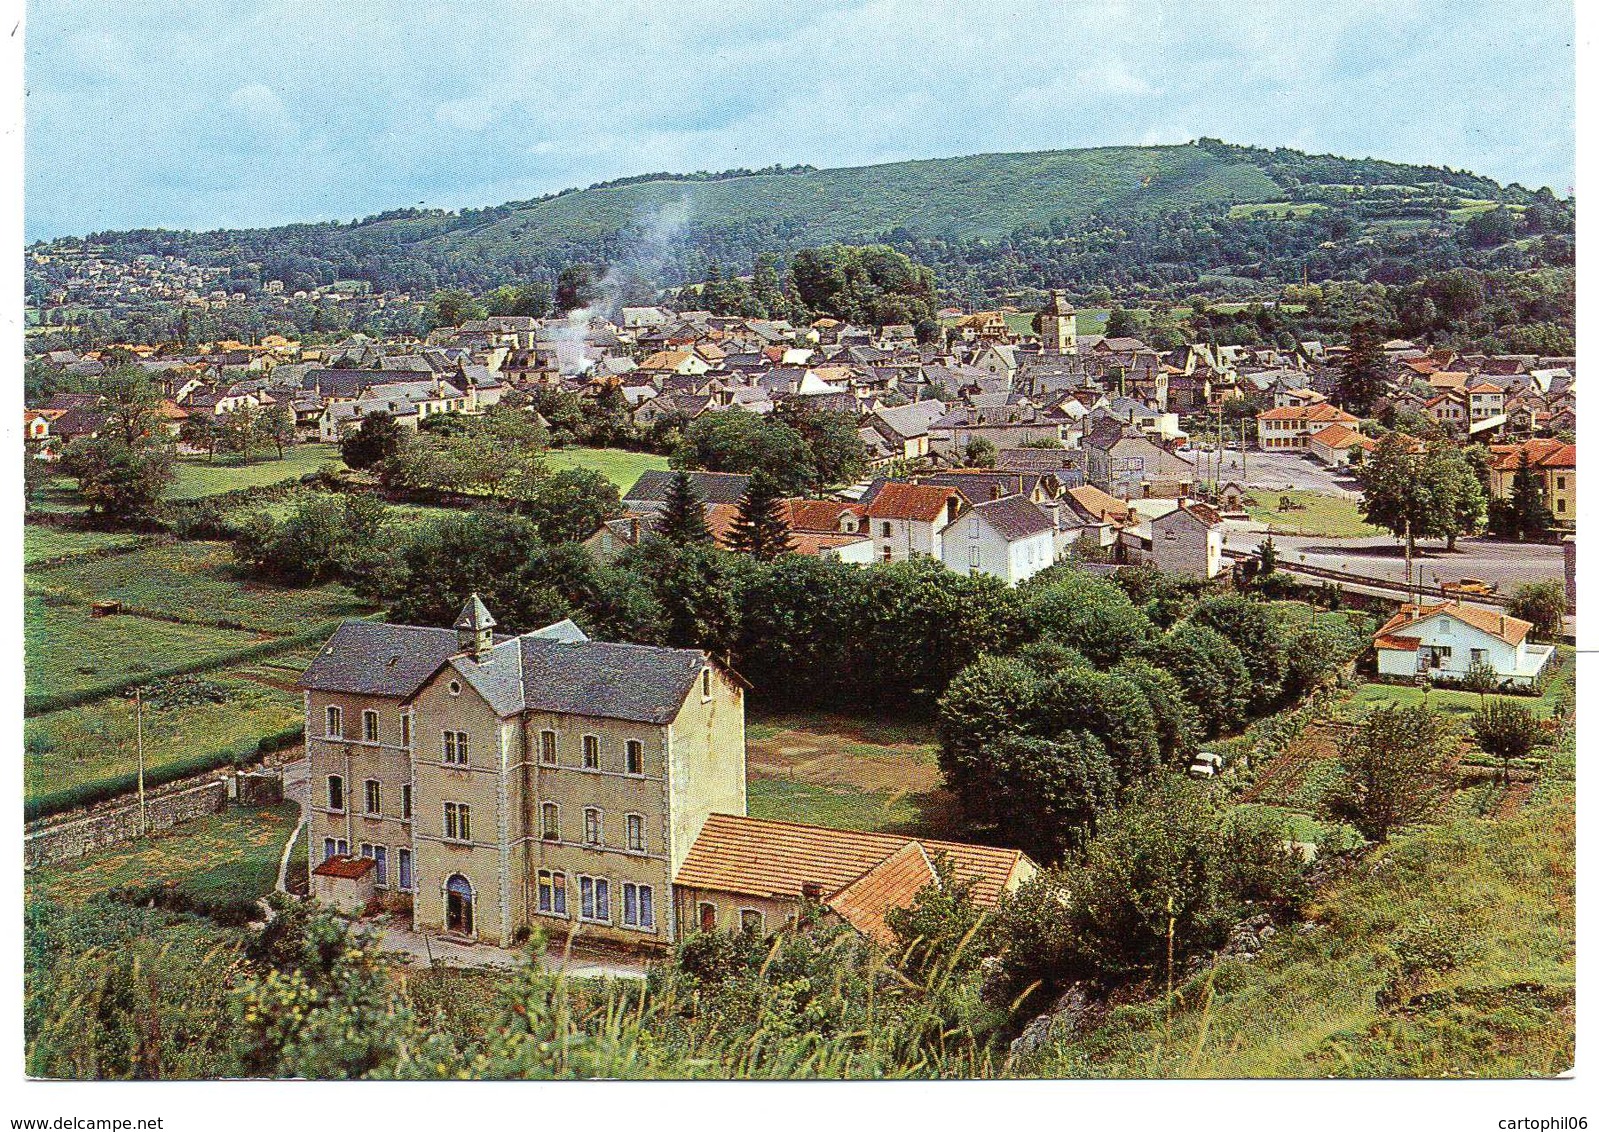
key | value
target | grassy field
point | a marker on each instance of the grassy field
(1447, 953)
(1323, 516)
(194, 581)
(196, 476)
(230, 855)
(1560, 688)
(97, 740)
(847, 773)
(1276, 210)
(618, 465)
(68, 650)
(40, 543)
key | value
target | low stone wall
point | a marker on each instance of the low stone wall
(75, 837)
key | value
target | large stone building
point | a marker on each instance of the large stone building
(496, 779)
(495, 783)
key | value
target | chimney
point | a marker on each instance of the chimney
(810, 890)
(633, 529)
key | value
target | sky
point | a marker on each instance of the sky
(165, 113)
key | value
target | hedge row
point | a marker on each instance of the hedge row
(143, 542)
(93, 793)
(41, 703)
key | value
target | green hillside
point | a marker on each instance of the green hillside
(1229, 221)
(982, 196)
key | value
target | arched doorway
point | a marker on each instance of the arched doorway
(458, 905)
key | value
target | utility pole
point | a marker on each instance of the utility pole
(138, 731)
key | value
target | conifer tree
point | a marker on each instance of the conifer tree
(759, 528)
(683, 519)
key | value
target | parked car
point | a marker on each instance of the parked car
(1469, 587)
(1206, 764)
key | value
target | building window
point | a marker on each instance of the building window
(455, 748)
(595, 894)
(1560, 506)
(635, 832)
(335, 723)
(369, 726)
(638, 906)
(635, 757)
(405, 730)
(374, 796)
(547, 747)
(552, 821)
(752, 921)
(593, 826)
(380, 855)
(888, 530)
(455, 687)
(457, 821)
(888, 554)
(591, 752)
(976, 557)
(335, 792)
(707, 916)
(552, 893)
(407, 877)
(330, 848)
(405, 802)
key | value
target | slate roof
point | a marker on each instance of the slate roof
(712, 487)
(555, 669)
(369, 658)
(1014, 517)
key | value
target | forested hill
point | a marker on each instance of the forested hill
(1224, 218)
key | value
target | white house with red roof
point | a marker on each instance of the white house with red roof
(1444, 640)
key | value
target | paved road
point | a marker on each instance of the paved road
(1279, 471)
(1507, 565)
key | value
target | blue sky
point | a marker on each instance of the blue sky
(183, 114)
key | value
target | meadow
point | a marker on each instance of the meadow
(197, 476)
(41, 543)
(67, 650)
(217, 859)
(1316, 515)
(849, 773)
(618, 465)
(95, 741)
(196, 582)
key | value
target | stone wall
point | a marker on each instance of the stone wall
(75, 837)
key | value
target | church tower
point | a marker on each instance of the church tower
(1056, 324)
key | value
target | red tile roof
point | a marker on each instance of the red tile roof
(1308, 414)
(921, 502)
(756, 857)
(1511, 630)
(1341, 436)
(348, 868)
(1543, 453)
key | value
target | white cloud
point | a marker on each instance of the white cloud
(282, 110)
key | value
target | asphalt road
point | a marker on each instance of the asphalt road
(1279, 471)
(1507, 565)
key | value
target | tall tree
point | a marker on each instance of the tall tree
(1528, 511)
(682, 520)
(278, 425)
(376, 440)
(759, 528)
(1360, 378)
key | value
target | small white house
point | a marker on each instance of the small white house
(1010, 538)
(1446, 639)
